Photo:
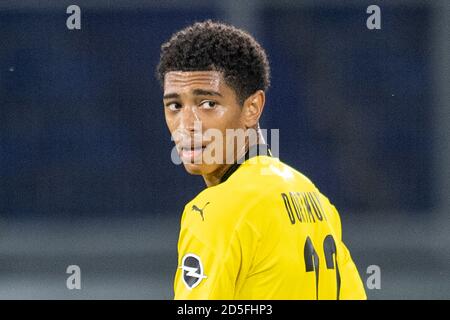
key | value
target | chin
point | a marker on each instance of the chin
(194, 169)
(198, 169)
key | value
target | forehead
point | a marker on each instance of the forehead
(188, 80)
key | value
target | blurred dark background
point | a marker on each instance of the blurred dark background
(85, 171)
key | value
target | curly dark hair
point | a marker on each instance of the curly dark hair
(215, 46)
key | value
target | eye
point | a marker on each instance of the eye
(173, 106)
(208, 104)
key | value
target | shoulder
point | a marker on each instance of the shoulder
(276, 187)
(264, 171)
(263, 179)
(253, 199)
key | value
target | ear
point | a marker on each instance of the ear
(253, 108)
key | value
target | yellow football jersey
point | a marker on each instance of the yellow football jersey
(265, 232)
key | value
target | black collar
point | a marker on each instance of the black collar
(255, 150)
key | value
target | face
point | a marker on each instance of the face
(195, 101)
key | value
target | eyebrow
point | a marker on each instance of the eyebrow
(171, 96)
(196, 92)
(201, 92)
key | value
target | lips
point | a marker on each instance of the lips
(191, 153)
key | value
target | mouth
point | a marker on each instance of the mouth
(190, 153)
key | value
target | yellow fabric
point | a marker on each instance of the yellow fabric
(250, 234)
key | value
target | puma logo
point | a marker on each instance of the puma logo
(195, 208)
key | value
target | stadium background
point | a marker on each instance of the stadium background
(85, 170)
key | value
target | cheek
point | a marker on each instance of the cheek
(227, 118)
(170, 122)
(220, 112)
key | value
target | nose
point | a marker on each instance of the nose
(189, 117)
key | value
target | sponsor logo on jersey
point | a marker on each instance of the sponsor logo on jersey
(192, 269)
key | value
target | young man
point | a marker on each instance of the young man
(260, 230)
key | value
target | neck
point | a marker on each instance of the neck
(214, 178)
